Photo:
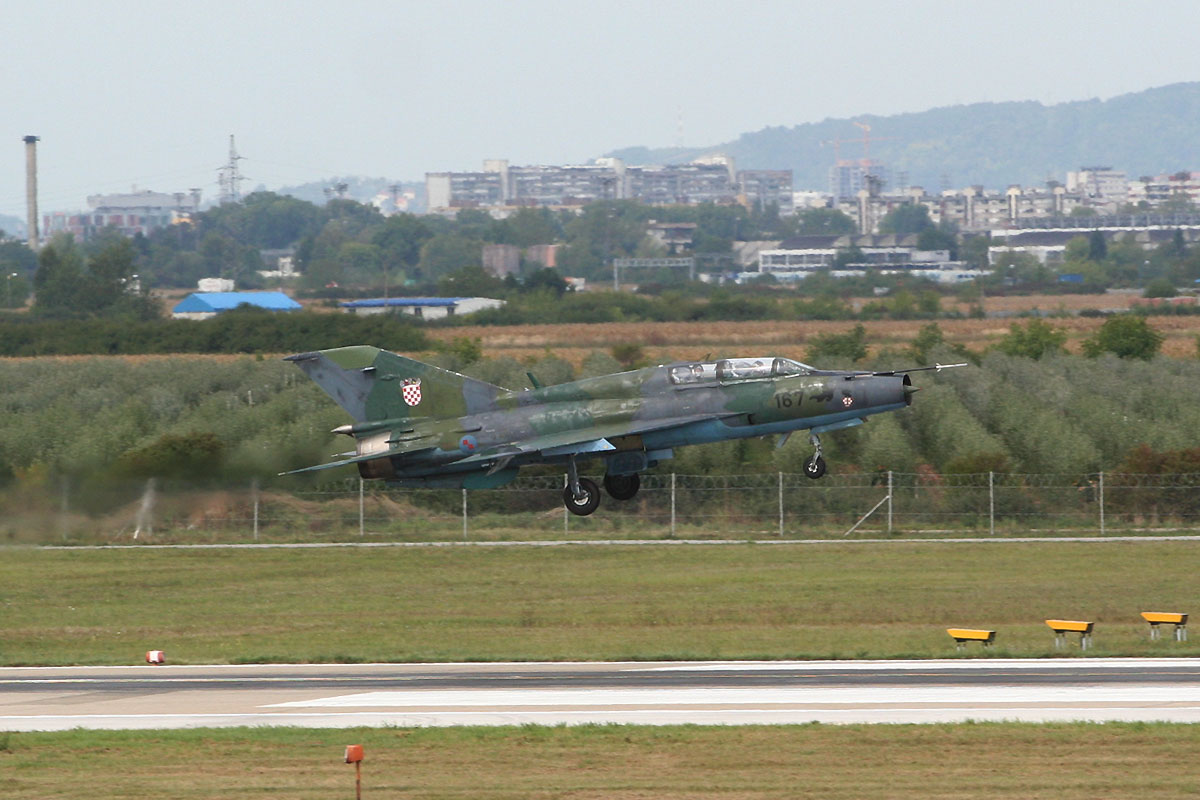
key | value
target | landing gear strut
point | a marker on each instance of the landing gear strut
(814, 467)
(622, 487)
(581, 496)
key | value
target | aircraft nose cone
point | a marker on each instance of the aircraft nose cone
(909, 391)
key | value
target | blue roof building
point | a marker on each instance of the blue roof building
(202, 305)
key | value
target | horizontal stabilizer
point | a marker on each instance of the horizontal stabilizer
(348, 461)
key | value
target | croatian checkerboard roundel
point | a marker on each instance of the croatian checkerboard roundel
(410, 390)
(847, 401)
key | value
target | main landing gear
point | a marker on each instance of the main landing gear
(814, 467)
(581, 496)
(622, 487)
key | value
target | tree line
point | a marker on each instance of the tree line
(347, 249)
(243, 330)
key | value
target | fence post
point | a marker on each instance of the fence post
(64, 507)
(781, 505)
(360, 509)
(991, 504)
(672, 505)
(464, 491)
(889, 502)
(254, 494)
(1101, 487)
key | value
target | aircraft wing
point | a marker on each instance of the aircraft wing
(592, 439)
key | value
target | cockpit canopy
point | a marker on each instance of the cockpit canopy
(736, 369)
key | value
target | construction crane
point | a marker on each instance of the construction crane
(866, 140)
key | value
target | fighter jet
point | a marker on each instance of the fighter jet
(417, 425)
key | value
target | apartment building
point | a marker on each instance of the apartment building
(709, 180)
(131, 214)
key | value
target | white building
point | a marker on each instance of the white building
(215, 285)
(1049, 245)
(1102, 185)
(711, 179)
(423, 307)
(799, 257)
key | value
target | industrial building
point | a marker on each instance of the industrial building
(423, 307)
(203, 305)
(1048, 244)
(801, 256)
(130, 214)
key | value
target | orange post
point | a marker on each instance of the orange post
(354, 755)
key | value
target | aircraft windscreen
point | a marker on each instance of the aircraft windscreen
(785, 366)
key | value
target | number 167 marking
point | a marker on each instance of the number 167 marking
(788, 399)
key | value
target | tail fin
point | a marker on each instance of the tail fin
(373, 384)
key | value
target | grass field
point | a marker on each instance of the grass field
(576, 602)
(1067, 762)
(688, 340)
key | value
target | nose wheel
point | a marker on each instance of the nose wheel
(814, 467)
(581, 496)
(585, 501)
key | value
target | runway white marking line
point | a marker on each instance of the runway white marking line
(1176, 694)
(142, 671)
(937, 664)
(787, 716)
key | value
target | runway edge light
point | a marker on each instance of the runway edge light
(156, 657)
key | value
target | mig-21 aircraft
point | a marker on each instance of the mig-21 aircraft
(418, 425)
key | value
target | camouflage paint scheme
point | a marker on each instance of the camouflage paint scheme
(462, 432)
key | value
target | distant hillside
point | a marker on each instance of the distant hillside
(13, 226)
(357, 188)
(994, 144)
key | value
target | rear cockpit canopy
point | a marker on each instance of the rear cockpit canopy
(736, 369)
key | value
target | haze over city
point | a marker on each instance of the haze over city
(126, 94)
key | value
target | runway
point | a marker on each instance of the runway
(732, 693)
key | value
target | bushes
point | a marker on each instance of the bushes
(191, 456)
(236, 419)
(1125, 335)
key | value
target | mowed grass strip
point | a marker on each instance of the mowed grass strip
(990, 760)
(749, 601)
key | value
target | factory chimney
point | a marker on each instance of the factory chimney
(31, 208)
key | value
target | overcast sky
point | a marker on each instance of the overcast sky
(147, 93)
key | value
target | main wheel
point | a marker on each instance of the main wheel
(814, 467)
(587, 502)
(622, 487)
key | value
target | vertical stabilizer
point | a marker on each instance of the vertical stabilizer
(373, 384)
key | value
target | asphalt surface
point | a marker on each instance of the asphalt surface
(58, 698)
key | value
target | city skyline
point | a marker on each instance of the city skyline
(129, 94)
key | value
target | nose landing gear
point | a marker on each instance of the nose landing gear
(581, 496)
(814, 467)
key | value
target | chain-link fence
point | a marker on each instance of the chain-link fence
(754, 506)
